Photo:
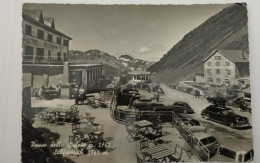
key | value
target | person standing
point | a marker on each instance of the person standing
(197, 93)
(58, 90)
(82, 94)
(76, 95)
(39, 93)
(158, 96)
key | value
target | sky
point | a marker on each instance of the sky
(142, 31)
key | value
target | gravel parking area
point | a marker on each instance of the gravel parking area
(121, 150)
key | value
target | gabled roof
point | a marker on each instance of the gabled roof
(232, 55)
(35, 14)
(49, 21)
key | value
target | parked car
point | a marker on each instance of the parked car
(216, 100)
(193, 125)
(205, 141)
(110, 86)
(144, 99)
(145, 105)
(182, 107)
(232, 151)
(225, 115)
(177, 107)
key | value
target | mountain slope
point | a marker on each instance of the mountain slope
(111, 64)
(225, 30)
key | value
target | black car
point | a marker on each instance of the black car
(225, 115)
(145, 106)
(216, 100)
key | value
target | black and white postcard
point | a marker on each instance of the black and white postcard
(136, 83)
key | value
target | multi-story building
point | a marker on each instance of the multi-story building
(46, 56)
(226, 66)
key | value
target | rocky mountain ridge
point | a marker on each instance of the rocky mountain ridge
(226, 30)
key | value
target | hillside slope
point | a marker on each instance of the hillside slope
(225, 30)
(111, 64)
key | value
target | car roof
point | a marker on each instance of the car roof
(220, 107)
(180, 102)
(237, 145)
(201, 135)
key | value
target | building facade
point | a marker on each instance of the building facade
(42, 43)
(139, 77)
(86, 75)
(224, 67)
(45, 50)
(46, 56)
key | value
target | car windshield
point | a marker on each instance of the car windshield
(227, 153)
(204, 141)
(227, 111)
(249, 155)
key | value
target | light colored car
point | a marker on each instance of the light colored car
(207, 141)
(193, 125)
(232, 151)
(110, 86)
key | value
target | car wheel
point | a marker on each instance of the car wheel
(232, 125)
(184, 111)
(205, 116)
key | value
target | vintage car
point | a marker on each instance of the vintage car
(192, 125)
(234, 151)
(205, 142)
(177, 107)
(145, 105)
(225, 115)
(216, 100)
(181, 107)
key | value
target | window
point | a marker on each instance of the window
(49, 38)
(210, 80)
(217, 71)
(49, 56)
(212, 139)
(217, 80)
(217, 64)
(227, 153)
(65, 42)
(58, 40)
(204, 141)
(76, 77)
(227, 72)
(209, 63)
(40, 53)
(227, 63)
(209, 71)
(28, 30)
(28, 52)
(40, 34)
(217, 57)
(140, 77)
(249, 156)
(58, 57)
(65, 57)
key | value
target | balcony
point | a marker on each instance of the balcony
(41, 60)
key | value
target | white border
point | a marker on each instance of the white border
(10, 66)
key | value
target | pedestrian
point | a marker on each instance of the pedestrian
(197, 93)
(158, 96)
(82, 94)
(58, 90)
(39, 93)
(76, 95)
